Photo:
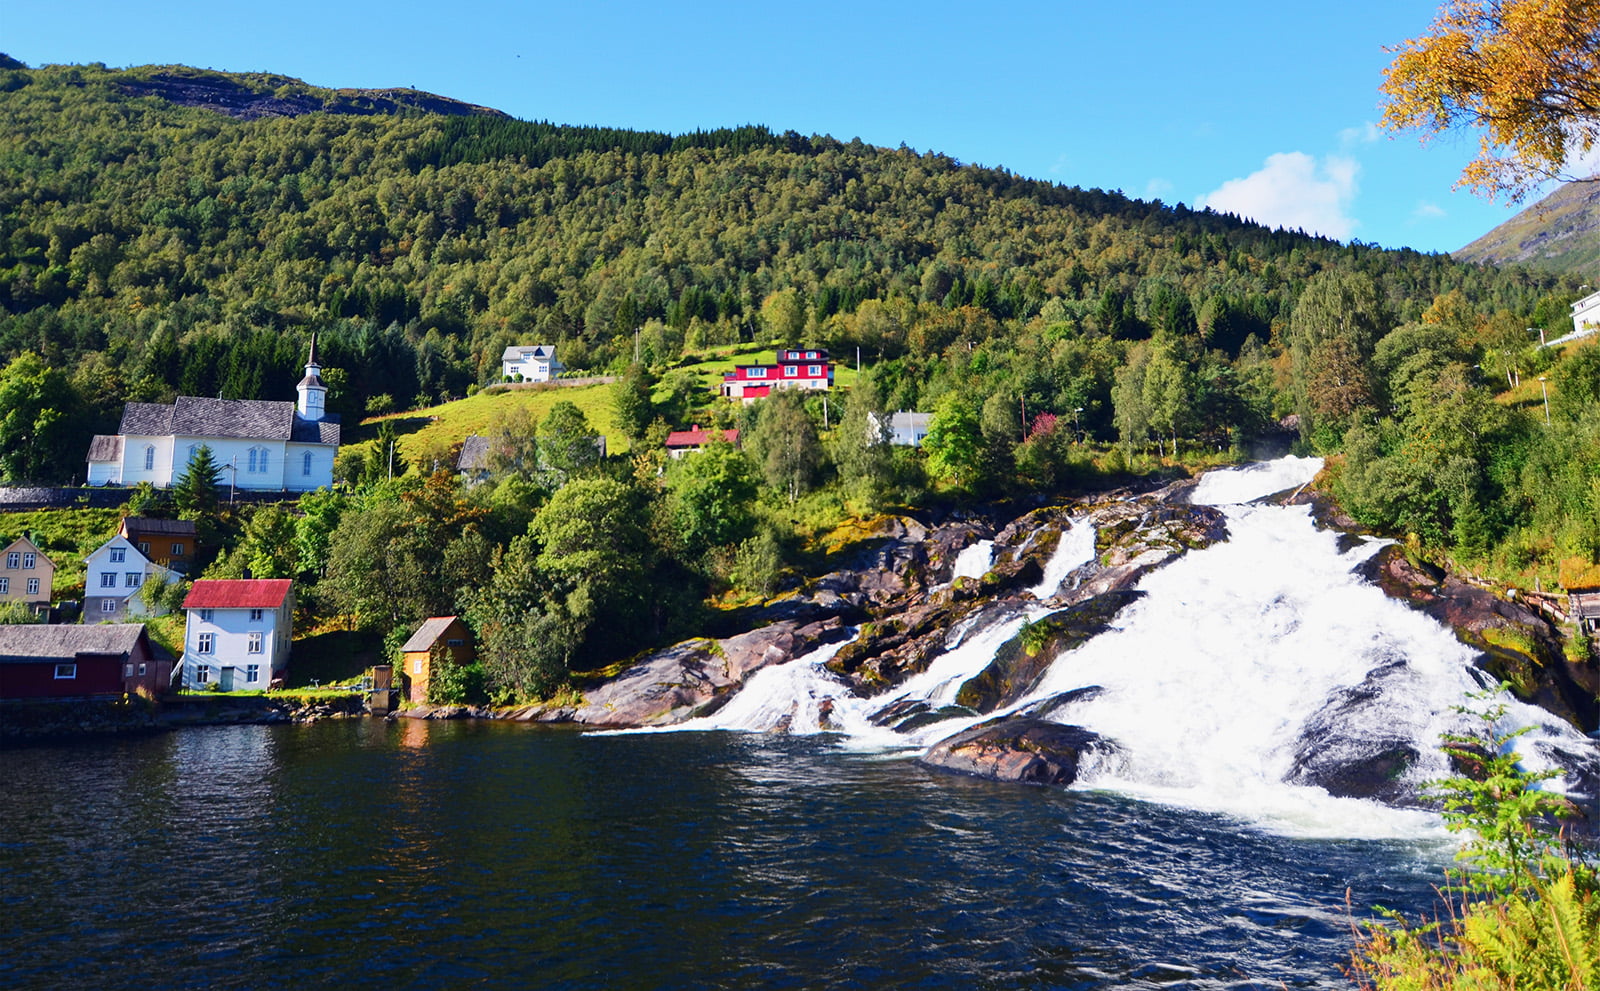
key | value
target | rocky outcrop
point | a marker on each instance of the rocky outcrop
(690, 678)
(1516, 644)
(1356, 747)
(1022, 660)
(254, 97)
(1024, 750)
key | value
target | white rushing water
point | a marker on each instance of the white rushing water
(1208, 680)
(974, 561)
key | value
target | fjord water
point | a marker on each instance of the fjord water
(368, 854)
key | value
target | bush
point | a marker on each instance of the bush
(1525, 908)
(458, 684)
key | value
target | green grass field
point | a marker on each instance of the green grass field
(431, 433)
(66, 536)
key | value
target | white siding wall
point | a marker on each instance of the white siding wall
(133, 455)
(230, 631)
(99, 563)
(294, 477)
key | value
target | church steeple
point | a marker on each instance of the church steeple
(313, 393)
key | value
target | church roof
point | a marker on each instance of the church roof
(240, 419)
(106, 449)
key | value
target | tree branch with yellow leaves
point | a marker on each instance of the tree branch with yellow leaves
(1524, 74)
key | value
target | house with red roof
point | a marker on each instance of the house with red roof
(796, 368)
(681, 442)
(237, 633)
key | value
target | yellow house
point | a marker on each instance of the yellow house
(439, 638)
(26, 575)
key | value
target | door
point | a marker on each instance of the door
(225, 679)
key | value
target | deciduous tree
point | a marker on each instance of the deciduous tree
(1523, 74)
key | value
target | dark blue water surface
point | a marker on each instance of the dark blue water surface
(439, 855)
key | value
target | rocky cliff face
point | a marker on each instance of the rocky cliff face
(285, 97)
(1560, 233)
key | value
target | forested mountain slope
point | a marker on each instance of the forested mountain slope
(144, 235)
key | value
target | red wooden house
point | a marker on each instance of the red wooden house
(796, 368)
(77, 661)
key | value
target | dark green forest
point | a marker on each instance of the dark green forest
(1064, 337)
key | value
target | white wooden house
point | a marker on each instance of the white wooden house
(114, 573)
(237, 633)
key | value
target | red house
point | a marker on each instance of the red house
(681, 442)
(76, 661)
(796, 368)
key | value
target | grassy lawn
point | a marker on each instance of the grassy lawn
(66, 536)
(433, 431)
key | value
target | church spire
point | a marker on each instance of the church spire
(313, 393)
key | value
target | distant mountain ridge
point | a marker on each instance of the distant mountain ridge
(1560, 233)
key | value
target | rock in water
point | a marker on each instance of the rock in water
(1020, 749)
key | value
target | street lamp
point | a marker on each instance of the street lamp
(1546, 400)
(1075, 428)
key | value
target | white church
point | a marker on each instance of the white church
(258, 444)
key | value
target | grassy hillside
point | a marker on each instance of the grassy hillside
(1560, 233)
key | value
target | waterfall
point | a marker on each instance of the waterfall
(974, 561)
(1212, 681)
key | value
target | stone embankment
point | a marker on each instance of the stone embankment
(48, 720)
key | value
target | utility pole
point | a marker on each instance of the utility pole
(1546, 392)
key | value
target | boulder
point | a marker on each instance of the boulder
(1024, 750)
(1020, 661)
(669, 685)
(1516, 644)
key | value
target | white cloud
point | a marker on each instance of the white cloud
(1157, 188)
(1366, 134)
(1294, 190)
(1428, 211)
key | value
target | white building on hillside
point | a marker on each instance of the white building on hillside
(1586, 315)
(113, 574)
(534, 362)
(259, 444)
(238, 632)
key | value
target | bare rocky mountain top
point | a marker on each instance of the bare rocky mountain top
(250, 98)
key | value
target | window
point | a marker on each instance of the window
(255, 615)
(13, 559)
(255, 643)
(205, 615)
(66, 672)
(119, 555)
(204, 643)
(5, 585)
(108, 579)
(416, 667)
(305, 464)
(811, 354)
(108, 605)
(258, 460)
(28, 559)
(252, 673)
(144, 547)
(141, 670)
(177, 550)
(33, 586)
(149, 457)
(133, 579)
(127, 670)
(758, 373)
(791, 370)
(453, 642)
(814, 371)
(194, 449)
(202, 674)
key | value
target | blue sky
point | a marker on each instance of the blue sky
(1263, 108)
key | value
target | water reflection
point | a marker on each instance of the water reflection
(449, 854)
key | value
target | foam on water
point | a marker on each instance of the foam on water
(1075, 548)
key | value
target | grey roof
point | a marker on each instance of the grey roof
(514, 352)
(243, 419)
(105, 448)
(474, 454)
(324, 431)
(34, 642)
(427, 633)
(149, 524)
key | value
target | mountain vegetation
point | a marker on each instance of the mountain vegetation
(1061, 337)
(1560, 233)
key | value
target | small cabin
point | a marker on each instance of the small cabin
(440, 638)
(1582, 582)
